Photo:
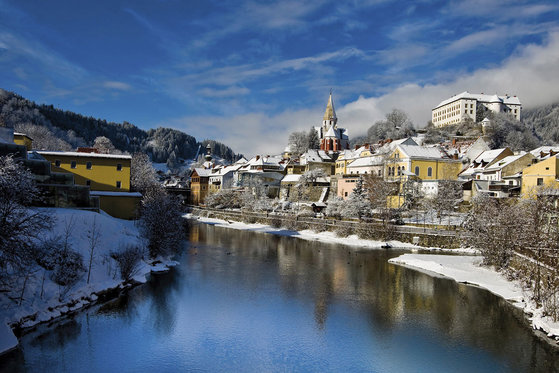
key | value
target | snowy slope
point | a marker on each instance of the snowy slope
(115, 234)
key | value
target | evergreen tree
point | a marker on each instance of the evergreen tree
(313, 140)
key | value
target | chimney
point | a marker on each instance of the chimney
(356, 146)
(257, 157)
(388, 141)
(366, 146)
(455, 156)
(454, 141)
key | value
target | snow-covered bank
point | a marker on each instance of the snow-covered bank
(468, 270)
(43, 300)
(328, 237)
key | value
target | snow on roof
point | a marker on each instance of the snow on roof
(314, 155)
(505, 162)
(79, 154)
(414, 151)
(545, 150)
(366, 162)
(488, 155)
(242, 161)
(203, 171)
(508, 100)
(331, 132)
(290, 178)
(115, 194)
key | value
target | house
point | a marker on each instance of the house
(544, 174)
(465, 106)
(425, 165)
(483, 160)
(199, 185)
(23, 139)
(262, 175)
(106, 175)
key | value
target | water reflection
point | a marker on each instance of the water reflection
(242, 301)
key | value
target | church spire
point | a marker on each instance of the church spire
(330, 113)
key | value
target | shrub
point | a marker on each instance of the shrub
(275, 222)
(343, 230)
(127, 260)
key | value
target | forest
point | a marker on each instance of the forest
(55, 129)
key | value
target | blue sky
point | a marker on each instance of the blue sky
(249, 72)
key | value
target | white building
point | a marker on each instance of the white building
(463, 107)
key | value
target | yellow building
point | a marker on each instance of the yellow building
(23, 139)
(544, 174)
(107, 175)
(101, 172)
(424, 163)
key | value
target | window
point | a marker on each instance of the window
(57, 163)
(88, 165)
(540, 181)
(417, 170)
(73, 164)
(345, 195)
(119, 166)
(88, 182)
(379, 172)
(118, 184)
(429, 171)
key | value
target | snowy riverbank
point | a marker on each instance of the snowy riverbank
(41, 300)
(468, 270)
(328, 237)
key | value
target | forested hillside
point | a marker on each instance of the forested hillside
(55, 129)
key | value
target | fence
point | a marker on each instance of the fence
(369, 228)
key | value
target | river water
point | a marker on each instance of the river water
(241, 301)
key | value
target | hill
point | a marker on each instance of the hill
(56, 129)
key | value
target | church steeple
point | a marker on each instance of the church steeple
(330, 113)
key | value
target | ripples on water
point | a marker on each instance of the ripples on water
(242, 301)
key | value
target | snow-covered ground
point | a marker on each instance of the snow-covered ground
(115, 234)
(329, 237)
(468, 270)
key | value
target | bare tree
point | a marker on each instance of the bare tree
(93, 235)
(449, 195)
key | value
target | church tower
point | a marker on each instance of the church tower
(332, 138)
(330, 118)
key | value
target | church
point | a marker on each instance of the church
(332, 138)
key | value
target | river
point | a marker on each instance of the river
(241, 301)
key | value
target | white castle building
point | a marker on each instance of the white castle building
(463, 107)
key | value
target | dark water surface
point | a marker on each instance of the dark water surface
(242, 301)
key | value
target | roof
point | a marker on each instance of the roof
(488, 155)
(314, 155)
(414, 151)
(330, 113)
(508, 100)
(366, 162)
(203, 172)
(505, 161)
(331, 132)
(90, 155)
(545, 150)
(290, 178)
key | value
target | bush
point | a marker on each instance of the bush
(343, 230)
(128, 260)
(275, 222)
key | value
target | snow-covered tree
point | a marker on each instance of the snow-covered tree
(358, 204)
(20, 226)
(449, 195)
(142, 174)
(299, 142)
(161, 222)
(312, 139)
(104, 145)
(334, 207)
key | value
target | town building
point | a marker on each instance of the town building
(465, 106)
(106, 175)
(544, 174)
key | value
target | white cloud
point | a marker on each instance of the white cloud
(532, 74)
(119, 86)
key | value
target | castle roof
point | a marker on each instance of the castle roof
(508, 100)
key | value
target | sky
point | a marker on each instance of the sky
(248, 73)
